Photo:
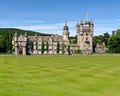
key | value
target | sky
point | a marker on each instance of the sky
(49, 16)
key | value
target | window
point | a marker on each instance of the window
(55, 47)
(87, 42)
(60, 46)
(86, 38)
(44, 42)
(45, 46)
(34, 47)
(39, 42)
(39, 47)
(50, 47)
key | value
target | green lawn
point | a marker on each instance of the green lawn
(59, 75)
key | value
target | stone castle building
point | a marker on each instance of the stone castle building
(55, 44)
(100, 48)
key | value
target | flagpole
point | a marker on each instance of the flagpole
(65, 22)
(87, 16)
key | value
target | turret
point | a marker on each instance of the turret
(15, 46)
(66, 34)
(36, 36)
(81, 26)
(25, 36)
(77, 28)
(15, 36)
(92, 27)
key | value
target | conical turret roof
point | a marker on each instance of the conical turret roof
(81, 22)
(77, 24)
(65, 27)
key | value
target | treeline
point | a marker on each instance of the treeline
(112, 41)
(6, 35)
(101, 38)
(20, 31)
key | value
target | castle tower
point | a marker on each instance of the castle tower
(77, 32)
(24, 44)
(20, 44)
(81, 26)
(85, 35)
(77, 28)
(16, 43)
(25, 36)
(66, 35)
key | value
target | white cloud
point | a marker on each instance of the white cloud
(100, 26)
(38, 27)
(56, 28)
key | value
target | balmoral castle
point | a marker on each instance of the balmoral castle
(55, 44)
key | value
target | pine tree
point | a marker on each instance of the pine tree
(63, 45)
(31, 45)
(42, 48)
(47, 47)
(2, 44)
(68, 49)
(58, 45)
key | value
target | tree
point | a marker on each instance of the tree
(63, 47)
(8, 41)
(68, 49)
(73, 40)
(47, 47)
(114, 44)
(106, 38)
(113, 32)
(118, 32)
(36, 45)
(2, 44)
(101, 38)
(58, 45)
(31, 45)
(98, 39)
(42, 48)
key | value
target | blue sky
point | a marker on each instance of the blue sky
(48, 16)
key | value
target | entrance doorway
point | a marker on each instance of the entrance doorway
(20, 51)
